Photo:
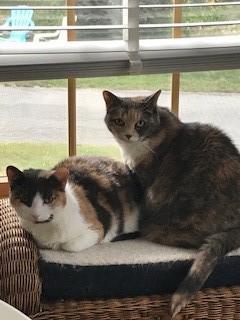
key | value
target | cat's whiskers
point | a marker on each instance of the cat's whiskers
(146, 146)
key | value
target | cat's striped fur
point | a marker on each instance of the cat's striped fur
(190, 174)
(82, 201)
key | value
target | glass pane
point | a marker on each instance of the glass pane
(111, 17)
(214, 14)
(39, 18)
(212, 97)
(83, 17)
(99, 17)
(34, 129)
(155, 16)
(189, 15)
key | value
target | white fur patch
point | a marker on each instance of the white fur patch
(133, 152)
(131, 224)
(112, 232)
(40, 211)
(67, 230)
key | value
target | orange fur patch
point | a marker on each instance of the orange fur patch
(60, 199)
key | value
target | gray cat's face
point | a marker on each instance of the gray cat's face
(131, 119)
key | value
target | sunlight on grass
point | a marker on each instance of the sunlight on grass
(46, 155)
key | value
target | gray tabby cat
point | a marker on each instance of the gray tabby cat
(190, 175)
(81, 202)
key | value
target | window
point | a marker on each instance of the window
(139, 46)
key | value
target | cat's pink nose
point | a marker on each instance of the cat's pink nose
(128, 136)
(35, 215)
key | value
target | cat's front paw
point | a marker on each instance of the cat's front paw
(71, 246)
(78, 244)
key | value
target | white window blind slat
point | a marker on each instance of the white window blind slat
(150, 6)
(131, 55)
(89, 59)
(131, 27)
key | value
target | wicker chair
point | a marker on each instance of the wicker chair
(20, 286)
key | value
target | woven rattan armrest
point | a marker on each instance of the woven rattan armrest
(20, 284)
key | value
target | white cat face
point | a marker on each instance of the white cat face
(36, 194)
(37, 213)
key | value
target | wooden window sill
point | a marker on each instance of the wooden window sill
(4, 187)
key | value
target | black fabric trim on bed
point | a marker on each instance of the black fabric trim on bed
(90, 282)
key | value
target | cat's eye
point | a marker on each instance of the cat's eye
(119, 122)
(49, 200)
(140, 124)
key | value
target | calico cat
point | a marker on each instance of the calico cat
(190, 175)
(82, 201)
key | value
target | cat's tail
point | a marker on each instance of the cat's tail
(208, 256)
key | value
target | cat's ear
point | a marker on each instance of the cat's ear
(110, 99)
(13, 174)
(61, 175)
(150, 102)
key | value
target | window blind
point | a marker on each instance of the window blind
(132, 53)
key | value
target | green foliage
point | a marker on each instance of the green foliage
(213, 14)
(45, 155)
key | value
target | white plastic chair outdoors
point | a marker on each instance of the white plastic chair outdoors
(61, 35)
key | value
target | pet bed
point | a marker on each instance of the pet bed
(123, 280)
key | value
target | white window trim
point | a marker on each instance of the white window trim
(105, 58)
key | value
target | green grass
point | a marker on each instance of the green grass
(46, 155)
(211, 81)
(208, 81)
